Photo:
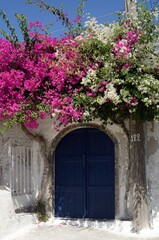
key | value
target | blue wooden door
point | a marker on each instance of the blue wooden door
(84, 175)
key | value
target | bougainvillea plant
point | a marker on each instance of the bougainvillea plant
(125, 78)
(108, 71)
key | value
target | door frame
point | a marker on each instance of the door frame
(119, 139)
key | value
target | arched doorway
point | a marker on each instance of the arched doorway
(84, 175)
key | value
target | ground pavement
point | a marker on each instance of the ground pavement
(24, 226)
(67, 232)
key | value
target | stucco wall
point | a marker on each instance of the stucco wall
(46, 129)
(152, 159)
(12, 139)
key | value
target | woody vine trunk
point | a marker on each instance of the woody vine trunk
(138, 175)
(43, 195)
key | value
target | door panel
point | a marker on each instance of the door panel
(100, 171)
(100, 202)
(100, 175)
(70, 171)
(69, 202)
(69, 176)
(84, 175)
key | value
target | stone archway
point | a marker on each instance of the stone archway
(119, 138)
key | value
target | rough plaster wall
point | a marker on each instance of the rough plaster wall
(121, 165)
(121, 162)
(38, 167)
(152, 157)
(5, 155)
(6, 208)
(5, 166)
(47, 130)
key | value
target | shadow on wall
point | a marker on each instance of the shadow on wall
(23, 203)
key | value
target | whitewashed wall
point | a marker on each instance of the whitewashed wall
(15, 141)
(20, 167)
(47, 130)
(152, 159)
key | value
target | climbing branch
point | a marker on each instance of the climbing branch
(44, 153)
